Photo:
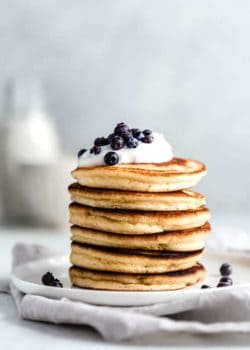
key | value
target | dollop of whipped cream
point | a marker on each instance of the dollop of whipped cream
(158, 151)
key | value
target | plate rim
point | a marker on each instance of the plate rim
(58, 292)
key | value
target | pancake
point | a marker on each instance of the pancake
(100, 198)
(129, 260)
(183, 240)
(136, 222)
(136, 282)
(174, 175)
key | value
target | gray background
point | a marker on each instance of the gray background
(182, 67)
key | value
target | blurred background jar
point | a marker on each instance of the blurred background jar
(34, 171)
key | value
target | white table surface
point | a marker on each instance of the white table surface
(20, 334)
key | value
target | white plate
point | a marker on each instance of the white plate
(27, 278)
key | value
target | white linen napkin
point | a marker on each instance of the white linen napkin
(227, 311)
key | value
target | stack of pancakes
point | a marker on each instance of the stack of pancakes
(137, 226)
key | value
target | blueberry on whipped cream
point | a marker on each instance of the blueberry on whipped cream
(137, 133)
(117, 142)
(81, 152)
(111, 158)
(148, 139)
(101, 141)
(132, 142)
(95, 149)
(127, 145)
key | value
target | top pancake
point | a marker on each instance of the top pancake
(174, 175)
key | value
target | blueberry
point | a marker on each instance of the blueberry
(226, 269)
(111, 158)
(205, 286)
(147, 139)
(95, 150)
(48, 279)
(127, 134)
(104, 141)
(98, 141)
(147, 132)
(121, 125)
(223, 284)
(81, 152)
(110, 137)
(140, 136)
(117, 142)
(131, 142)
(135, 132)
(226, 279)
(121, 129)
(101, 141)
(57, 283)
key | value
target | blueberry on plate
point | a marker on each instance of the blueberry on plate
(226, 269)
(223, 284)
(205, 286)
(81, 152)
(48, 279)
(131, 142)
(57, 283)
(226, 279)
(117, 142)
(111, 158)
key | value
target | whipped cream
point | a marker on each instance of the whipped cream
(156, 152)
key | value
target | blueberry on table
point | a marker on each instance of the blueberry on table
(111, 158)
(117, 143)
(132, 142)
(147, 139)
(48, 279)
(226, 269)
(95, 150)
(81, 152)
